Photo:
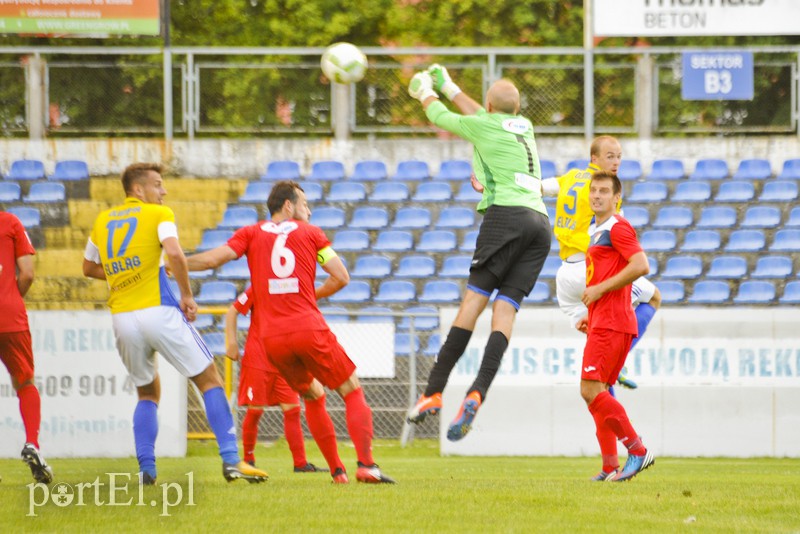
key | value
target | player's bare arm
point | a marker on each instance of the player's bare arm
(180, 271)
(231, 341)
(211, 259)
(637, 266)
(339, 277)
(93, 270)
(24, 273)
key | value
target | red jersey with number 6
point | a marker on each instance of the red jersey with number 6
(283, 265)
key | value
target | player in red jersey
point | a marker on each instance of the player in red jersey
(260, 385)
(16, 352)
(282, 255)
(614, 260)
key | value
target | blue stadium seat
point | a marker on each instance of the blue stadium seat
(717, 217)
(539, 294)
(753, 169)
(201, 275)
(369, 171)
(548, 168)
(369, 218)
(313, 190)
(327, 171)
(735, 192)
(746, 241)
(350, 240)
(69, 170)
(710, 169)
(335, 314)
(402, 344)
(420, 323)
(773, 267)
(454, 169)
(629, 170)
(667, 169)
(550, 268)
(398, 291)
(658, 240)
(437, 241)
(671, 291)
(794, 218)
(468, 241)
(683, 268)
(393, 241)
(389, 192)
(653, 263)
(433, 192)
(779, 191)
(375, 314)
(328, 217)
(234, 270)
(433, 346)
(415, 267)
(411, 218)
(648, 192)
(727, 267)
(10, 192)
(412, 170)
(46, 192)
(692, 192)
(579, 164)
(238, 216)
(761, 217)
(701, 241)
(355, 291)
(257, 193)
(755, 292)
(551, 214)
(673, 217)
(791, 293)
(216, 292)
(29, 217)
(372, 266)
(322, 273)
(204, 321)
(456, 266)
(467, 194)
(456, 217)
(710, 292)
(347, 192)
(213, 239)
(26, 169)
(791, 170)
(440, 291)
(215, 341)
(638, 217)
(786, 241)
(243, 322)
(282, 170)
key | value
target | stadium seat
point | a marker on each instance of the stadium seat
(369, 171)
(466, 193)
(550, 268)
(412, 218)
(579, 164)
(791, 170)
(327, 171)
(755, 292)
(399, 291)
(389, 192)
(658, 240)
(10, 192)
(46, 192)
(773, 267)
(402, 344)
(422, 322)
(29, 217)
(671, 291)
(779, 191)
(375, 314)
(692, 192)
(204, 321)
(710, 169)
(236, 217)
(753, 169)
(727, 267)
(456, 266)
(456, 217)
(350, 240)
(548, 168)
(647, 192)
(412, 170)
(539, 294)
(347, 192)
(243, 322)
(415, 267)
(335, 314)
(26, 169)
(440, 291)
(791, 293)
(201, 275)
(454, 169)
(257, 193)
(213, 239)
(746, 241)
(433, 192)
(313, 191)
(701, 241)
(629, 170)
(216, 292)
(673, 217)
(638, 217)
(667, 169)
(710, 292)
(786, 241)
(794, 218)
(653, 263)
(372, 266)
(683, 268)
(393, 241)
(328, 217)
(235, 270)
(215, 341)
(282, 170)
(69, 170)
(355, 291)
(468, 241)
(761, 217)
(433, 345)
(735, 192)
(369, 218)
(437, 241)
(717, 217)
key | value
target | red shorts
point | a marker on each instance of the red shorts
(302, 356)
(258, 387)
(17, 355)
(604, 355)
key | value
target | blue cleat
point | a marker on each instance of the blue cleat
(624, 381)
(602, 476)
(462, 424)
(635, 465)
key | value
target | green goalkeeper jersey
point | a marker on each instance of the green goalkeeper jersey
(505, 160)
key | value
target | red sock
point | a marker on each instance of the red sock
(294, 436)
(614, 417)
(359, 425)
(607, 440)
(30, 407)
(321, 427)
(250, 433)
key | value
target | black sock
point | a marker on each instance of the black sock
(492, 356)
(452, 349)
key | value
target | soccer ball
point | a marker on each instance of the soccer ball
(343, 63)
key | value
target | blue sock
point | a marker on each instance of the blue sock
(221, 421)
(145, 430)
(644, 314)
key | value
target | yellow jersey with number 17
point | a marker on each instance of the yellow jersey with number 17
(127, 239)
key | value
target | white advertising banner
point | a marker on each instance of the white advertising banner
(87, 397)
(369, 345)
(667, 18)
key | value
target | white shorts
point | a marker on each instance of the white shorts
(163, 329)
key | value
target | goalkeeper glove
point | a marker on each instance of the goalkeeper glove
(421, 86)
(442, 81)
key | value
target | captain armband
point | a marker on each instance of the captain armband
(325, 255)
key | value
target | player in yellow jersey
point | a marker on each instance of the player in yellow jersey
(127, 249)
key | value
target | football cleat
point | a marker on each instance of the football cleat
(245, 471)
(634, 465)
(146, 479)
(310, 468)
(602, 476)
(624, 381)
(39, 469)
(462, 424)
(425, 406)
(371, 474)
(340, 477)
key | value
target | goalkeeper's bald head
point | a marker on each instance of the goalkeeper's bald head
(503, 97)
